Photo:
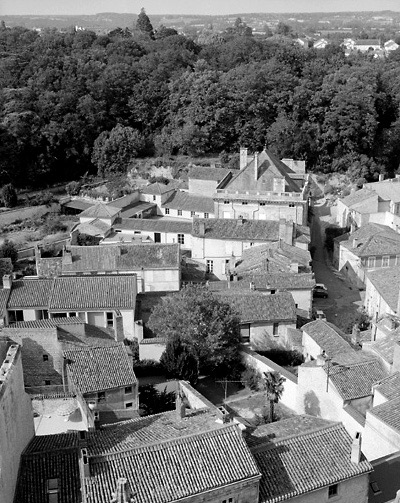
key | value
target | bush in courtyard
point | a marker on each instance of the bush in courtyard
(252, 378)
(283, 357)
(152, 401)
(146, 368)
(9, 196)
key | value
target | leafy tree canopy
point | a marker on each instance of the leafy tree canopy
(143, 23)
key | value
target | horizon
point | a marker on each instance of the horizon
(190, 8)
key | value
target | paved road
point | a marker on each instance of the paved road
(343, 298)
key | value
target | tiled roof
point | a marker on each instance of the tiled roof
(30, 293)
(358, 197)
(47, 457)
(387, 190)
(155, 225)
(205, 173)
(189, 202)
(269, 167)
(100, 210)
(390, 386)
(306, 462)
(157, 189)
(355, 380)
(387, 283)
(385, 347)
(373, 240)
(95, 369)
(389, 413)
(328, 337)
(4, 294)
(122, 257)
(267, 281)
(257, 307)
(248, 230)
(77, 204)
(94, 227)
(49, 267)
(95, 292)
(49, 323)
(124, 201)
(175, 469)
(368, 41)
(136, 208)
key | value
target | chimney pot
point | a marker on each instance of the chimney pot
(7, 281)
(381, 177)
(256, 166)
(356, 448)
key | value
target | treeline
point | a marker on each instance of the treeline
(78, 102)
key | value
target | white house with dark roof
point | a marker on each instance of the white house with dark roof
(157, 193)
(265, 188)
(187, 205)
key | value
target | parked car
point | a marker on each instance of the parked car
(320, 290)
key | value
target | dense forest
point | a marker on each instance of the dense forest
(79, 102)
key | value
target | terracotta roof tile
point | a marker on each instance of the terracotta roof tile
(390, 386)
(373, 240)
(155, 225)
(49, 323)
(157, 189)
(358, 197)
(387, 282)
(328, 337)
(95, 292)
(248, 230)
(303, 463)
(93, 369)
(30, 293)
(266, 281)
(389, 413)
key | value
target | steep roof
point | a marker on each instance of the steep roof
(269, 167)
(180, 468)
(387, 190)
(100, 210)
(4, 295)
(359, 199)
(207, 173)
(245, 230)
(122, 257)
(95, 227)
(328, 337)
(302, 463)
(257, 307)
(388, 412)
(95, 369)
(30, 293)
(390, 386)
(387, 282)
(189, 202)
(95, 292)
(373, 240)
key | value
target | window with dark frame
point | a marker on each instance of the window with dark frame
(45, 358)
(181, 239)
(167, 211)
(209, 266)
(101, 396)
(275, 329)
(332, 490)
(110, 319)
(128, 405)
(128, 389)
(179, 213)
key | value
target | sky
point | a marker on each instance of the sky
(212, 7)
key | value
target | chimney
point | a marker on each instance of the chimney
(119, 326)
(256, 166)
(180, 408)
(252, 285)
(356, 448)
(279, 185)
(243, 157)
(201, 228)
(294, 267)
(122, 492)
(286, 231)
(355, 335)
(381, 177)
(7, 281)
(84, 463)
(321, 359)
(67, 256)
(355, 242)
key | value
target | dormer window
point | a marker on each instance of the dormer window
(371, 262)
(385, 261)
(52, 490)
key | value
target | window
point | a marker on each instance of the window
(128, 389)
(244, 202)
(226, 202)
(45, 358)
(47, 383)
(128, 405)
(101, 396)
(206, 215)
(42, 314)
(397, 259)
(72, 315)
(110, 319)
(192, 213)
(275, 329)
(154, 198)
(181, 239)
(179, 213)
(262, 204)
(291, 205)
(371, 262)
(385, 261)
(229, 500)
(209, 266)
(167, 211)
(16, 316)
(332, 490)
(273, 291)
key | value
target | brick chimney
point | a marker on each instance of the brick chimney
(119, 326)
(198, 228)
(7, 281)
(356, 448)
(256, 166)
(243, 157)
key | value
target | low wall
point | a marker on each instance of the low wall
(151, 349)
(196, 400)
(263, 364)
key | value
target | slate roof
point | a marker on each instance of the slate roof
(356, 379)
(122, 257)
(306, 462)
(373, 240)
(246, 230)
(95, 369)
(387, 282)
(100, 210)
(258, 307)
(95, 292)
(390, 386)
(189, 202)
(155, 225)
(174, 469)
(157, 189)
(359, 197)
(46, 457)
(30, 293)
(207, 173)
(389, 413)
(269, 167)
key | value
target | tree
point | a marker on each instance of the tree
(143, 24)
(178, 361)
(9, 250)
(206, 327)
(9, 195)
(274, 388)
(152, 401)
(73, 188)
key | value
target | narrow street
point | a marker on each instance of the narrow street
(343, 298)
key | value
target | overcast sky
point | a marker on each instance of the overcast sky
(190, 6)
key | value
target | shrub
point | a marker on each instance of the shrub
(73, 188)
(9, 250)
(252, 378)
(44, 198)
(152, 401)
(146, 368)
(9, 196)
(54, 224)
(283, 357)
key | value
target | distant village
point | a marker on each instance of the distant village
(71, 426)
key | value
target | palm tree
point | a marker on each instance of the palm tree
(274, 388)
